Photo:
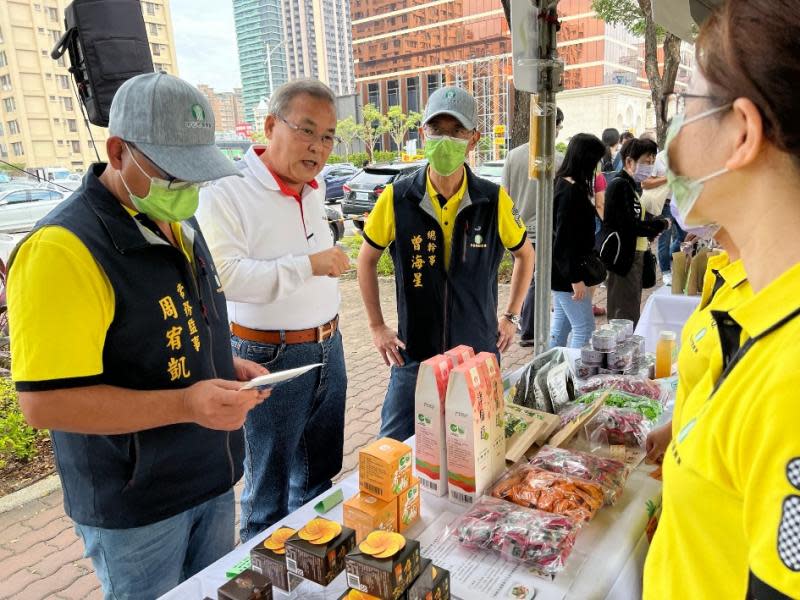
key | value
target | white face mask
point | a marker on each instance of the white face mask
(685, 190)
(643, 172)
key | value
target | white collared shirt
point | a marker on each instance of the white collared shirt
(260, 241)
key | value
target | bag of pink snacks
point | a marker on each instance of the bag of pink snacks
(609, 474)
(618, 426)
(542, 541)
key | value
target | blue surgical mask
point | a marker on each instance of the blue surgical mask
(685, 190)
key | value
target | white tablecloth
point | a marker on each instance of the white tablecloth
(606, 562)
(664, 311)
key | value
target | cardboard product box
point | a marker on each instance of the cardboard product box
(386, 578)
(273, 566)
(384, 468)
(365, 513)
(409, 506)
(460, 354)
(469, 451)
(433, 583)
(430, 426)
(497, 434)
(247, 585)
(320, 563)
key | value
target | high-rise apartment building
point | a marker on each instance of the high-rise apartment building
(318, 42)
(41, 123)
(262, 55)
(404, 51)
(227, 106)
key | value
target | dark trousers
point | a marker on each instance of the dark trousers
(526, 316)
(669, 242)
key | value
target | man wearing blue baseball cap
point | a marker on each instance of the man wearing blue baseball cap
(446, 231)
(121, 347)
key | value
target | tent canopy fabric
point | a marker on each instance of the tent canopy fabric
(681, 17)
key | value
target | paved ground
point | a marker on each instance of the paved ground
(40, 555)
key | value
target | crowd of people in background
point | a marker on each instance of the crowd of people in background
(611, 203)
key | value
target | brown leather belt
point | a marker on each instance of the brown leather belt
(303, 336)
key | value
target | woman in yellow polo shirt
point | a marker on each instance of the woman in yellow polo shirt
(730, 526)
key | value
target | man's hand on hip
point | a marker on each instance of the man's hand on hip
(219, 404)
(388, 344)
(506, 330)
(331, 262)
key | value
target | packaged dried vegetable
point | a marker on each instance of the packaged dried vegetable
(625, 383)
(537, 488)
(609, 474)
(542, 541)
(618, 426)
(649, 408)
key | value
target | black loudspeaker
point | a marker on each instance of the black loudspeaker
(107, 45)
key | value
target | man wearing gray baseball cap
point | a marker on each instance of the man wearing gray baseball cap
(447, 231)
(121, 348)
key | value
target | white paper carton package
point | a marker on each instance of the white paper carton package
(497, 436)
(469, 451)
(430, 424)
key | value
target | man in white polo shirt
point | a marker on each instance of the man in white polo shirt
(269, 235)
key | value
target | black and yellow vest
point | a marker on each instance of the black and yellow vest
(437, 307)
(170, 330)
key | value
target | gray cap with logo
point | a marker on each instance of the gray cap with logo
(172, 123)
(453, 101)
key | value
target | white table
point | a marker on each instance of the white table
(606, 562)
(664, 311)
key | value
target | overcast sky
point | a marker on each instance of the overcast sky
(205, 40)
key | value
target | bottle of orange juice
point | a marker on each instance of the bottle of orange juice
(665, 353)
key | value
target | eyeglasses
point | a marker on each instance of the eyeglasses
(458, 132)
(173, 183)
(673, 105)
(310, 136)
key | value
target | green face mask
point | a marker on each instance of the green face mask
(445, 154)
(165, 204)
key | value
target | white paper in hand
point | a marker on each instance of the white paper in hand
(270, 380)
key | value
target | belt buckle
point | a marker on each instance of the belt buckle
(323, 330)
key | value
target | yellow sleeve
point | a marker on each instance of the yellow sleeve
(379, 228)
(512, 229)
(60, 305)
(769, 470)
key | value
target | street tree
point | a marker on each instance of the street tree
(347, 130)
(400, 124)
(637, 17)
(375, 125)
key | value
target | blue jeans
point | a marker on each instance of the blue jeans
(294, 440)
(665, 243)
(397, 414)
(571, 316)
(142, 563)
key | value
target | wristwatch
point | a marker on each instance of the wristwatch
(512, 317)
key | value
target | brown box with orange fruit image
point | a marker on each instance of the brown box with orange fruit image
(317, 551)
(356, 595)
(433, 583)
(384, 565)
(269, 559)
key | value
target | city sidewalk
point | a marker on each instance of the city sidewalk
(40, 555)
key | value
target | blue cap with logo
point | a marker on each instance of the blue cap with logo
(172, 123)
(453, 101)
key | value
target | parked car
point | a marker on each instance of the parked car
(491, 170)
(361, 192)
(335, 177)
(335, 222)
(20, 209)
